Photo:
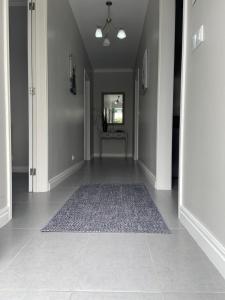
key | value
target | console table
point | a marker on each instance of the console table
(113, 136)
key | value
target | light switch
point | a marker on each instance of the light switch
(194, 41)
(198, 38)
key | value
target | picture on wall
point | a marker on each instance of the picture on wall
(145, 70)
(72, 75)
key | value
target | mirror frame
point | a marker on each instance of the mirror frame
(114, 93)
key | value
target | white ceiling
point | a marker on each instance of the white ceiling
(129, 14)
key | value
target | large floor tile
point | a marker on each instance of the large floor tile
(11, 243)
(121, 250)
(116, 296)
(48, 262)
(194, 296)
(182, 266)
(12, 295)
(65, 262)
(47, 296)
(33, 215)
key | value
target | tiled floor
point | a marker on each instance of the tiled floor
(79, 266)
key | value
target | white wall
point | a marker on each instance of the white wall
(202, 173)
(156, 103)
(148, 101)
(19, 84)
(66, 111)
(114, 82)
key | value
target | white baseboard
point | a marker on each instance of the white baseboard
(4, 216)
(113, 155)
(21, 169)
(148, 173)
(205, 239)
(53, 182)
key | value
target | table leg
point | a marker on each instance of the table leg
(126, 148)
(100, 147)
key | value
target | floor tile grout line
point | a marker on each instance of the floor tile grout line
(112, 292)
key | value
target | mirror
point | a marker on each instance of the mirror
(113, 108)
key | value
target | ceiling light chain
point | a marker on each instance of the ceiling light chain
(103, 32)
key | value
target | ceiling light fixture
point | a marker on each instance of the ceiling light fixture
(103, 32)
(106, 42)
(121, 34)
(98, 33)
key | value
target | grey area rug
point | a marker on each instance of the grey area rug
(109, 208)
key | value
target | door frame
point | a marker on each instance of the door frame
(38, 95)
(87, 117)
(31, 92)
(5, 212)
(40, 99)
(136, 114)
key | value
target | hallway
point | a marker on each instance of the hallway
(83, 266)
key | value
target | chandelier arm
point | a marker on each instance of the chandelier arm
(104, 27)
(114, 27)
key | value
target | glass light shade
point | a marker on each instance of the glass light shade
(106, 42)
(98, 33)
(121, 34)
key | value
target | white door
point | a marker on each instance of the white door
(87, 112)
(5, 122)
(136, 116)
(31, 89)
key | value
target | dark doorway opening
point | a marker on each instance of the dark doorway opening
(177, 89)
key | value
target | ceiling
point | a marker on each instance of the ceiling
(128, 14)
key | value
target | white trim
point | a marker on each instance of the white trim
(6, 212)
(13, 3)
(113, 71)
(20, 169)
(182, 103)
(4, 216)
(165, 95)
(205, 239)
(113, 155)
(148, 173)
(53, 182)
(31, 83)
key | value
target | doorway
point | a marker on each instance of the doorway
(177, 89)
(22, 95)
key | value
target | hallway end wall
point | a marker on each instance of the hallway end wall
(115, 81)
(66, 111)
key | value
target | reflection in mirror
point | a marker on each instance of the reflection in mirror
(113, 108)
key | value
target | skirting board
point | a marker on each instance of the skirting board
(4, 216)
(22, 169)
(113, 155)
(53, 182)
(148, 173)
(206, 241)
